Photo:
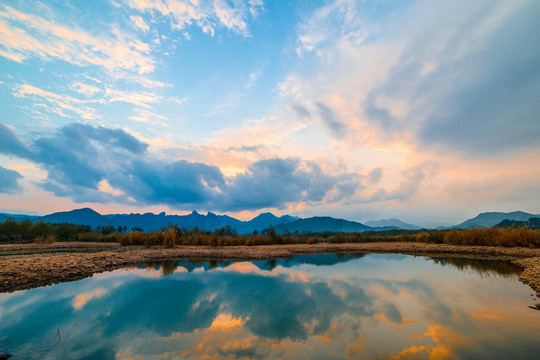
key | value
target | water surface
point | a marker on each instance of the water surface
(307, 307)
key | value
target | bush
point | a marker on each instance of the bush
(45, 239)
(435, 237)
(140, 238)
(311, 240)
(169, 239)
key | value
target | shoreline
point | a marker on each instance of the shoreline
(26, 266)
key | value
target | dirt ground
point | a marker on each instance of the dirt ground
(25, 266)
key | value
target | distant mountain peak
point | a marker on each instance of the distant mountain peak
(487, 219)
(265, 215)
(392, 222)
(82, 211)
(85, 209)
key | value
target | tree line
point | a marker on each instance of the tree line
(42, 232)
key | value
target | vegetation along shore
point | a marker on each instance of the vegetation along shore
(39, 254)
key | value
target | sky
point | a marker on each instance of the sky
(427, 111)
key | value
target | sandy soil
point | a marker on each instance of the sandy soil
(33, 265)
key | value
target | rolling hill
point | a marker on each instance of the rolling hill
(392, 223)
(489, 219)
(321, 224)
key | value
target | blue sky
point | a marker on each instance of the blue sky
(422, 110)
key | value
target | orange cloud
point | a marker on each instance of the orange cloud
(299, 276)
(356, 348)
(227, 321)
(444, 337)
(81, 299)
(410, 352)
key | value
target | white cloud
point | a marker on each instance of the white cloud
(23, 36)
(11, 56)
(140, 79)
(148, 117)
(85, 89)
(140, 23)
(253, 77)
(205, 14)
(178, 100)
(334, 22)
(141, 99)
(230, 17)
(255, 7)
(59, 102)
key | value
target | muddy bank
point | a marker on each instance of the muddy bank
(34, 248)
(531, 272)
(22, 268)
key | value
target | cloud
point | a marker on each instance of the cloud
(230, 17)
(301, 111)
(330, 120)
(135, 98)
(277, 182)
(205, 14)
(375, 175)
(461, 77)
(179, 183)
(80, 159)
(140, 23)
(85, 89)
(81, 299)
(10, 143)
(146, 116)
(77, 158)
(338, 19)
(9, 181)
(408, 187)
(245, 148)
(68, 106)
(26, 35)
(60, 103)
(475, 92)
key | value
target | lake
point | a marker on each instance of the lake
(307, 307)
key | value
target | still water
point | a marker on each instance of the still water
(307, 307)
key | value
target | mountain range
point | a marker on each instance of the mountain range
(285, 223)
(211, 221)
(489, 219)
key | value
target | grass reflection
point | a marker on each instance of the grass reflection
(168, 267)
(484, 268)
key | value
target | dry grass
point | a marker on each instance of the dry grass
(140, 238)
(508, 237)
(494, 237)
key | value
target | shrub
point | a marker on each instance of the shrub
(45, 239)
(435, 237)
(311, 240)
(169, 239)
(140, 238)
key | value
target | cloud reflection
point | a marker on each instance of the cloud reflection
(306, 307)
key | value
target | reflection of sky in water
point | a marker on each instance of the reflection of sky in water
(320, 307)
